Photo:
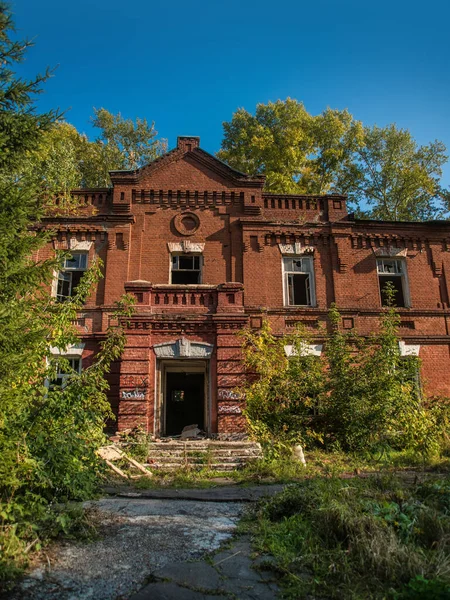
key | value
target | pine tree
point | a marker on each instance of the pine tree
(48, 435)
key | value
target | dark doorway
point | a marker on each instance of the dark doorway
(185, 401)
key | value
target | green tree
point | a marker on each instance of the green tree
(125, 144)
(361, 395)
(48, 435)
(56, 164)
(66, 159)
(391, 177)
(298, 153)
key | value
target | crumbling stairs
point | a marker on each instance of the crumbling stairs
(195, 454)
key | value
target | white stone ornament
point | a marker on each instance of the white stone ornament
(408, 349)
(186, 247)
(295, 249)
(75, 244)
(183, 348)
(305, 350)
(390, 252)
(70, 350)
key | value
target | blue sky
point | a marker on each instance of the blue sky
(189, 65)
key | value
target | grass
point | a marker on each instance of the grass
(372, 538)
(319, 464)
(371, 527)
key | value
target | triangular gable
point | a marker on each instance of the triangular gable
(189, 151)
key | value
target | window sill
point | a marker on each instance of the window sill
(297, 306)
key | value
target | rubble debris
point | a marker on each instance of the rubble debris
(190, 431)
(112, 453)
(297, 454)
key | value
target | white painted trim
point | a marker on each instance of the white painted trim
(408, 349)
(306, 350)
(71, 351)
(55, 283)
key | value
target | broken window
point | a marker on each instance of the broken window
(394, 272)
(186, 269)
(299, 281)
(64, 371)
(410, 373)
(70, 275)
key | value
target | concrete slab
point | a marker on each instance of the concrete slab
(198, 575)
(171, 591)
(233, 493)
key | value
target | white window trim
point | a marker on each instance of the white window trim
(312, 283)
(56, 274)
(403, 277)
(65, 376)
(201, 264)
(72, 351)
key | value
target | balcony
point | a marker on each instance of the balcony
(193, 299)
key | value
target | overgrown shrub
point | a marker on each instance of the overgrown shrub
(283, 394)
(361, 395)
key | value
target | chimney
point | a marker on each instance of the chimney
(186, 143)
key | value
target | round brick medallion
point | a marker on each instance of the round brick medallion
(186, 223)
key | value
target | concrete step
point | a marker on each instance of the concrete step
(199, 459)
(213, 467)
(195, 453)
(219, 456)
(203, 444)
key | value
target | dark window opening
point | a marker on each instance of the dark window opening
(392, 271)
(399, 297)
(186, 270)
(298, 281)
(299, 290)
(63, 375)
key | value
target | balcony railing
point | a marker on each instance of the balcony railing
(163, 298)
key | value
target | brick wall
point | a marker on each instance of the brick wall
(242, 230)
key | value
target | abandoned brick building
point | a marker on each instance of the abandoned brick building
(206, 251)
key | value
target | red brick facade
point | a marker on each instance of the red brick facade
(188, 203)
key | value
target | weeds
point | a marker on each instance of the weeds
(361, 538)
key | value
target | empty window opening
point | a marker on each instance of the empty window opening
(298, 281)
(394, 272)
(69, 278)
(186, 269)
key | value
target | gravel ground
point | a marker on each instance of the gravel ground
(137, 537)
